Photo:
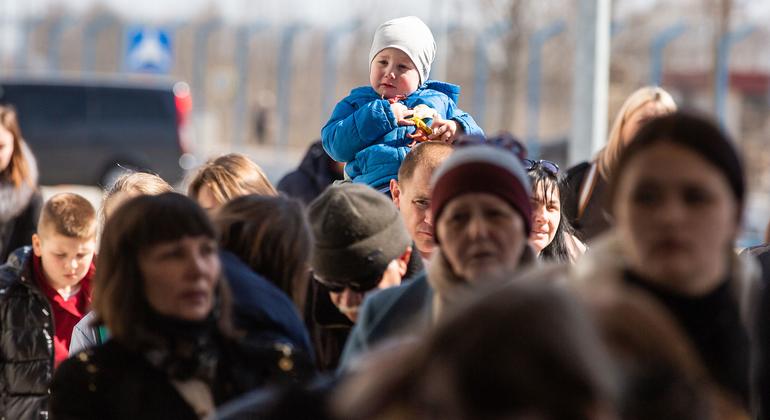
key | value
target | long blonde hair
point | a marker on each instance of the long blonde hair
(607, 158)
(18, 170)
(229, 176)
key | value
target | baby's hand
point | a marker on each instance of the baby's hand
(402, 113)
(444, 130)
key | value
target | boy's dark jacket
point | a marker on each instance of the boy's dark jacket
(26, 340)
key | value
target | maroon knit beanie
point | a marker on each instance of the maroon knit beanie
(482, 169)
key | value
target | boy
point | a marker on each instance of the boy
(44, 291)
(370, 129)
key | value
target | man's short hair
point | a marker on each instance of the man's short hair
(70, 215)
(428, 155)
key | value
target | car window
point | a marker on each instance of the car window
(132, 104)
(52, 105)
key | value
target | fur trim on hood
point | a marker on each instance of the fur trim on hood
(14, 200)
(449, 288)
(603, 265)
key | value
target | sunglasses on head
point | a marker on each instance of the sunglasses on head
(547, 165)
(355, 286)
(504, 141)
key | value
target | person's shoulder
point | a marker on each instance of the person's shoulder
(105, 354)
(446, 88)
(87, 365)
(577, 169)
(94, 374)
(393, 298)
(362, 93)
(757, 251)
(243, 280)
(18, 262)
(266, 363)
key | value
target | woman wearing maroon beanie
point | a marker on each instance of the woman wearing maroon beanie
(482, 218)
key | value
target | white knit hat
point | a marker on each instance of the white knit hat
(410, 35)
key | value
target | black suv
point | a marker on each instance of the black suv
(87, 132)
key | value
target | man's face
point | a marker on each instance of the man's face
(481, 235)
(348, 301)
(412, 197)
(65, 260)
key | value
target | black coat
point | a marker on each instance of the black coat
(760, 375)
(261, 309)
(595, 219)
(112, 382)
(329, 328)
(17, 232)
(26, 341)
(312, 176)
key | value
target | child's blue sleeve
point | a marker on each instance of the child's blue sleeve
(464, 119)
(351, 130)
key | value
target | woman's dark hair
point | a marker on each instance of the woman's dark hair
(549, 184)
(272, 236)
(144, 221)
(699, 135)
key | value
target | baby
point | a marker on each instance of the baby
(373, 128)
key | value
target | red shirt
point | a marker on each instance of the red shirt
(66, 313)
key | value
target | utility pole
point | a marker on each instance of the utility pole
(591, 80)
(722, 9)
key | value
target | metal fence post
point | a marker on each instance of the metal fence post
(329, 79)
(534, 68)
(659, 43)
(283, 105)
(55, 40)
(200, 52)
(591, 80)
(723, 72)
(243, 59)
(22, 55)
(90, 34)
(489, 34)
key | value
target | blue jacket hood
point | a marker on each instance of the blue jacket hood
(263, 310)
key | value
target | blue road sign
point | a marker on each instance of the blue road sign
(148, 50)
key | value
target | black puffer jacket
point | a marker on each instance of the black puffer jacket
(595, 219)
(312, 176)
(26, 341)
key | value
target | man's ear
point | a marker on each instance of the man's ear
(36, 245)
(395, 193)
(403, 261)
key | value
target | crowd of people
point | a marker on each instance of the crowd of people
(411, 268)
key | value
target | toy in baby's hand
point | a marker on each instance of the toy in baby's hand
(419, 114)
(422, 112)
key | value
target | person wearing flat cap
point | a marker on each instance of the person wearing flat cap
(482, 218)
(360, 245)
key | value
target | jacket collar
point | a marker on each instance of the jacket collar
(604, 263)
(450, 288)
